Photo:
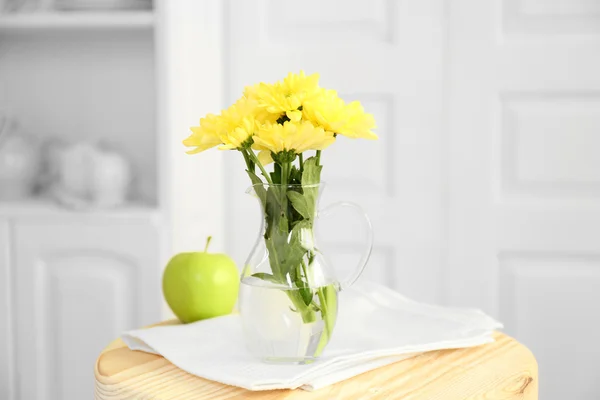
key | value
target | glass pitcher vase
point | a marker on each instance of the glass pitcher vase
(289, 293)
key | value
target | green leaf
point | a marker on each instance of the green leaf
(300, 204)
(274, 259)
(305, 203)
(304, 292)
(266, 277)
(283, 226)
(258, 186)
(286, 249)
(311, 177)
(307, 295)
(276, 174)
(272, 209)
(296, 245)
(312, 172)
(295, 176)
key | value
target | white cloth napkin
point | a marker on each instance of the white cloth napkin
(375, 327)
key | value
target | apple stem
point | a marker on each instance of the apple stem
(208, 239)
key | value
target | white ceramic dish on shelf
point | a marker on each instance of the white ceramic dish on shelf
(10, 6)
(87, 176)
(19, 161)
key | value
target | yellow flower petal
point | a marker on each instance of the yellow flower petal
(205, 136)
(286, 95)
(195, 151)
(326, 109)
(358, 123)
(295, 136)
(264, 156)
(239, 123)
(294, 116)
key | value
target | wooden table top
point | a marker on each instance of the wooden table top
(503, 370)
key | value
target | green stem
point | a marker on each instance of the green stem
(249, 164)
(304, 270)
(318, 157)
(284, 181)
(301, 160)
(260, 166)
(326, 317)
(284, 173)
(306, 312)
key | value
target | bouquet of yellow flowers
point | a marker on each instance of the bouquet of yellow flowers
(277, 124)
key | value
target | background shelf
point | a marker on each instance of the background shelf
(84, 85)
(42, 207)
(77, 20)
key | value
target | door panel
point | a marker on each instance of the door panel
(81, 302)
(550, 302)
(78, 286)
(524, 178)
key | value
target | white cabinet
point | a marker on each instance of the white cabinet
(71, 282)
(78, 282)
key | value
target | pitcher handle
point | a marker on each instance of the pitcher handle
(362, 263)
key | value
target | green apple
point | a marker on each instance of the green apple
(200, 285)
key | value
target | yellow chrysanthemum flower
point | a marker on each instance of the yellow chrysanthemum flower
(285, 96)
(232, 129)
(358, 123)
(326, 109)
(238, 134)
(239, 124)
(206, 135)
(246, 107)
(292, 136)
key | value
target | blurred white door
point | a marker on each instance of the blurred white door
(484, 188)
(523, 174)
(388, 55)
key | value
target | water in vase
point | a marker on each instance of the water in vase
(284, 324)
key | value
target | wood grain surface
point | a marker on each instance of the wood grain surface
(504, 370)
